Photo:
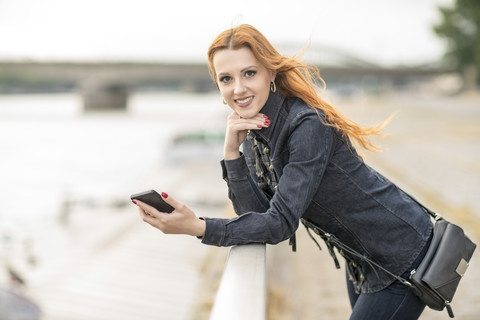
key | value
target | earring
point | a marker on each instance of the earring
(224, 102)
(273, 87)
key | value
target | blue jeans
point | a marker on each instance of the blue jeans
(396, 302)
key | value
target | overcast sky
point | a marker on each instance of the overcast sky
(388, 32)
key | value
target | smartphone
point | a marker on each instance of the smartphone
(151, 197)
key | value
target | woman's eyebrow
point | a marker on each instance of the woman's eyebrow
(243, 70)
(249, 67)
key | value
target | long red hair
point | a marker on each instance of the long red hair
(293, 79)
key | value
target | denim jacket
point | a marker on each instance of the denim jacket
(317, 176)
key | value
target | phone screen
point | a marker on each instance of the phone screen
(151, 197)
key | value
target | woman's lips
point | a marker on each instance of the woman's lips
(244, 102)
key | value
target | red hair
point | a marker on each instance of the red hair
(293, 79)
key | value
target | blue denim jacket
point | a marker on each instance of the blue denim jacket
(321, 179)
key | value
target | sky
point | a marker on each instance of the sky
(388, 32)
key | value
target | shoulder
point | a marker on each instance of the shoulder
(295, 105)
(298, 110)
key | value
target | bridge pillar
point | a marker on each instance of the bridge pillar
(99, 95)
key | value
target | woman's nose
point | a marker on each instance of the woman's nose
(239, 87)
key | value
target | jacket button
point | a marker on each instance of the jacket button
(271, 167)
(266, 150)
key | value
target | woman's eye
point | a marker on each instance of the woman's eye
(250, 73)
(225, 79)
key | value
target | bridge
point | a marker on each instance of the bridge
(107, 84)
(103, 84)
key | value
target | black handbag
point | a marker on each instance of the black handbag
(437, 277)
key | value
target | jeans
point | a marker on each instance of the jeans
(396, 302)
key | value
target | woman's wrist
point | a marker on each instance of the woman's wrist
(200, 227)
(231, 155)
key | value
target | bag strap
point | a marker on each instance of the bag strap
(332, 241)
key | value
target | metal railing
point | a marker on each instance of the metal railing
(242, 293)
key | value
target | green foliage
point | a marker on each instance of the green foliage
(460, 26)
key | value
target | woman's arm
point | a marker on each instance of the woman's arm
(236, 132)
(247, 196)
(243, 190)
(183, 220)
(310, 145)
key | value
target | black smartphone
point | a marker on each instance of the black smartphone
(151, 197)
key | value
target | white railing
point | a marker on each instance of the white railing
(242, 293)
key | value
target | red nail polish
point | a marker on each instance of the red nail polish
(265, 116)
(134, 201)
(164, 195)
(259, 126)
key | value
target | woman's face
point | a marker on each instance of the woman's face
(243, 82)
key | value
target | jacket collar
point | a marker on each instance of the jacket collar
(271, 109)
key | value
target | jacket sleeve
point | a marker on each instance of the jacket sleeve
(310, 144)
(242, 188)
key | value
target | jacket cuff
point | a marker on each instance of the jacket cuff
(214, 232)
(235, 169)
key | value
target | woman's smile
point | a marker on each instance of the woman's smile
(244, 102)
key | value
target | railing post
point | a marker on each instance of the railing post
(242, 291)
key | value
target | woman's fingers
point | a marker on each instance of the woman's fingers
(238, 123)
(180, 221)
(237, 128)
(171, 201)
(143, 207)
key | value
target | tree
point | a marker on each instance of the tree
(460, 26)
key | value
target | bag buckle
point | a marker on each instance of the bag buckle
(462, 267)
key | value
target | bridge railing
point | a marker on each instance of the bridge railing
(242, 293)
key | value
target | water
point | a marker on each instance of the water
(53, 154)
(51, 148)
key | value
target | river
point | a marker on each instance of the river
(51, 149)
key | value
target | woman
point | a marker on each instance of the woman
(298, 164)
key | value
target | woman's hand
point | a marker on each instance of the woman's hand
(237, 129)
(182, 220)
